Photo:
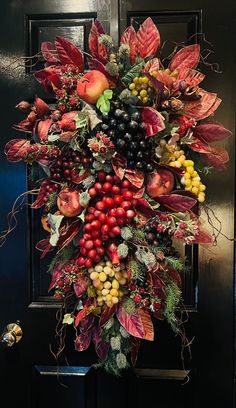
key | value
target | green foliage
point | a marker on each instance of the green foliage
(145, 256)
(173, 296)
(138, 272)
(177, 264)
(103, 102)
(123, 250)
(126, 233)
(132, 73)
(63, 256)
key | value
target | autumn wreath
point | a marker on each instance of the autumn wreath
(120, 157)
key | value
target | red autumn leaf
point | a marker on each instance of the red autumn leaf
(187, 57)
(107, 313)
(82, 313)
(119, 165)
(191, 77)
(153, 120)
(147, 324)
(136, 177)
(215, 156)
(47, 75)
(101, 347)
(49, 52)
(176, 202)
(145, 208)
(97, 50)
(67, 122)
(175, 276)
(44, 246)
(131, 322)
(87, 323)
(43, 128)
(67, 235)
(148, 39)
(42, 109)
(129, 37)
(211, 132)
(80, 285)
(82, 341)
(68, 53)
(158, 85)
(203, 107)
(152, 65)
(16, 149)
(139, 193)
(76, 177)
(135, 345)
(39, 202)
(66, 136)
(57, 274)
(27, 124)
(204, 237)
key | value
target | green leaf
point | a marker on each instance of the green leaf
(108, 94)
(132, 73)
(81, 120)
(103, 102)
(68, 319)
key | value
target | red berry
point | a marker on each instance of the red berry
(82, 242)
(100, 206)
(109, 178)
(102, 218)
(88, 244)
(92, 192)
(89, 217)
(87, 227)
(97, 242)
(109, 202)
(130, 214)
(80, 261)
(88, 263)
(112, 212)
(90, 210)
(107, 187)
(116, 179)
(126, 184)
(112, 221)
(97, 258)
(115, 230)
(120, 212)
(101, 176)
(87, 237)
(101, 251)
(97, 213)
(118, 199)
(105, 229)
(128, 195)
(96, 224)
(92, 253)
(126, 205)
(121, 221)
(96, 234)
(115, 189)
(134, 202)
(83, 251)
(98, 186)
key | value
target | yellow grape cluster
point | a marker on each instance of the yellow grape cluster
(108, 281)
(191, 179)
(141, 87)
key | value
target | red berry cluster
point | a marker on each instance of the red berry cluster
(185, 125)
(67, 277)
(38, 151)
(112, 208)
(67, 166)
(47, 188)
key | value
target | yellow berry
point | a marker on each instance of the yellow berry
(172, 164)
(195, 190)
(94, 275)
(188, 163)
(109, 304)
(115, 300)
(187, 175)
(115, 284)
(188, 188)
(134, 92)
(183, 181)
(195, 183)
(190, 170)
(107, 270)
(145, 80)
(188, 183)
(105, 292)
(98, 268)
(96, 283)
(181, 152)
(143, 93)
(107, 285)
(202, 187)
(114, 292)
(108, 298)
(162, 142)
(138, 87)
(121, 293)
(136, 80)
(100, 299)
(167, 70)
(177, 164)
(201, 197)
(99, 292)
(195, 173)
(102, 276)
(181, 159)
(100, 286)
(132, 86)
(118, 275)
(145, 99)
(122, 281)
(112, 273)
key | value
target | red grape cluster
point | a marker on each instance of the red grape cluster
(68, 164)
(47, 188)
(38, 151)
(112, 208)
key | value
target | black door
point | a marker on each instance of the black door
(28, 371)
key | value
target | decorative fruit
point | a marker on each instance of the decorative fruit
(91, 86)
(68, 203)
(160, 182)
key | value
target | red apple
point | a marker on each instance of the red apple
(91, 86)
(160, 182)
(68, 203)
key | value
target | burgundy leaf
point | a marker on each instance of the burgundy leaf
(49, 52)
(87, 323)
(97, 50)
(148, 39)
(27, 124)
(119, 165)
(43, 128)
(107, 313)
(191, 77)
(82, 314)
(187, 57)
(67, 136)
(153, 120)
(17, 149)
(175, 276)
(101, 346)
(68, 53)
(42, 109)
(144, 207)
(48, 75)
(135, 345)
(147, 324)
(158, 85)
(80, 285)
(204, 237)
(152, 65)
(44, 246)
(211, 131)
(215, 156)
(83, 340)
(39, 202)
(57, 274)
(67, 235)
(176, 202)
(136, 177)
(139, 193)
(203, 107)
(131, 322)
(129, 37)
(76, 177)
